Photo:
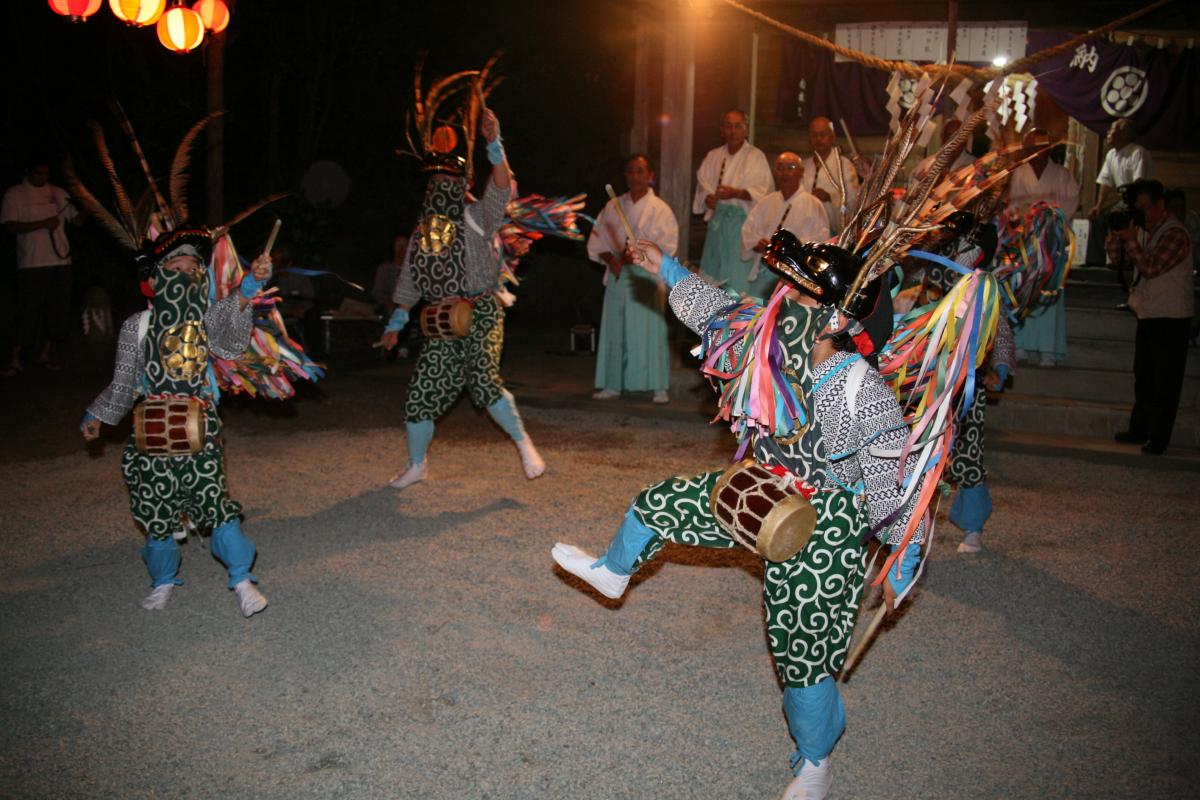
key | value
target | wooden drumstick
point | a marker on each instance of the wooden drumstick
(849, 138)
(621, 213)
(864, 641)
(271, 239)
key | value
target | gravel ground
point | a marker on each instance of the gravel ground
(423, 644)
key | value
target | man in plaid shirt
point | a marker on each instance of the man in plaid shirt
(1162, 297)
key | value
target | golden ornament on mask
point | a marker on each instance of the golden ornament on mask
(436, 232)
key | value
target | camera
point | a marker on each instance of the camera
(1127, 213)
(1120, 219)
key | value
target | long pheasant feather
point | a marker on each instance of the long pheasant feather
(163, 209)
(89, 201)
(124, 207)
(246, 212)
(178, 182)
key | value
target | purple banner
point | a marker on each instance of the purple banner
(813, 85)
(1098, 82)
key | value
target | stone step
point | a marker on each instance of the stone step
(1103, 324)
(1112, 355)
(1103, 385)
(1063, 415)
(1094, 296)
(1093, 276)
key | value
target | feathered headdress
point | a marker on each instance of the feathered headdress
(131, 224)
(434, 139)
(156, 225)
(882, 231)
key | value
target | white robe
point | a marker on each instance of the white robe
(817, 176)
(1055, 186)
(1124, 166)
(633, 353)
(746, 169)
(806, 219)
(651, 219)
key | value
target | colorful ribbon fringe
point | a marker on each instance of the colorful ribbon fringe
(273, 359)
(742, 352)
(1033, 260)
(533, 217)
(931, 360)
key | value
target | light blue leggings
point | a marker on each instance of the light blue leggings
(229, 545)
(503, 411)
(971, 508)
(816, 718)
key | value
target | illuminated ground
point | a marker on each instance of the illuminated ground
(423, 645)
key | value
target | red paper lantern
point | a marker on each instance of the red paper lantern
(214, 13)
(139, 13)
(180, 29)
(77, 10)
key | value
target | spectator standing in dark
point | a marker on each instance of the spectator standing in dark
(1162, 298)
(386, 275)
(34, 211)
(299, 300)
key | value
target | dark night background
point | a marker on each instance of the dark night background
(310, 81)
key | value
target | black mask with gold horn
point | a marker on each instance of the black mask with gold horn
(831, 275)
(825, 272)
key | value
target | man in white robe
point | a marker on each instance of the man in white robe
(1042, 338)
(827, 171)
(791, 208)
(730, 180)
(1125, 162)
(633, 354)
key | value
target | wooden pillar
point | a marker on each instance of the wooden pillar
(752, 114)
(639, 134)
(679, 87)
(951, 30)
(214, 168)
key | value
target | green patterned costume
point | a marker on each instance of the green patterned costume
(164, 352)
(453, 255)
(811, 599)
(445, 366)
(844, 454)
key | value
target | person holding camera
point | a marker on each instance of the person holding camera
(1160, 248)
(1125, 162)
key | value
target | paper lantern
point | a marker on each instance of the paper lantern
(180, 29)
(139, 13)
(77, 10)
(214, 13)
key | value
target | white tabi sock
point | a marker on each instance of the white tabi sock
(157, 599)
(812, 783)
(250, 599)
(579, 563)
(531, 460)
(414, 474)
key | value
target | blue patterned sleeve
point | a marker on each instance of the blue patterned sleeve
(882, 431)
(695, 301)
